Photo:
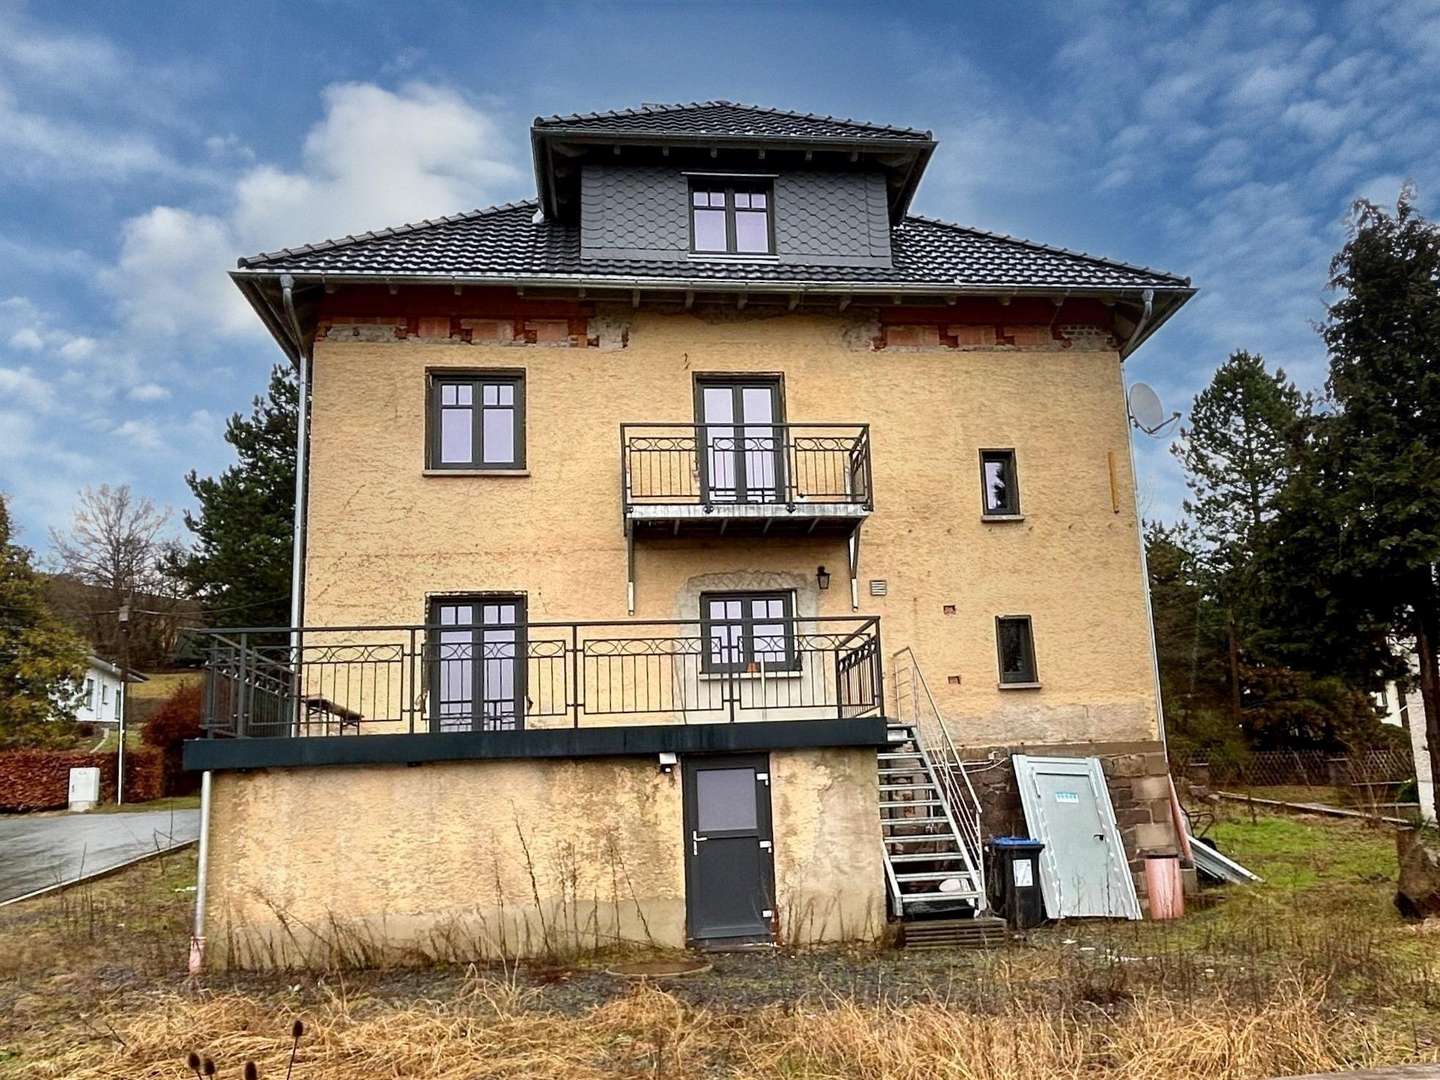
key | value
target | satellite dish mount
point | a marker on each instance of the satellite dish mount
(1146, 412)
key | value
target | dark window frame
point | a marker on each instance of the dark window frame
(1008, 459)
(730, 185)
(477, 379)
(1030, 676)
(432, 651)
(733, 381)
(747, 621)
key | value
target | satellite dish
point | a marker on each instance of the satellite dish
(1146, 412)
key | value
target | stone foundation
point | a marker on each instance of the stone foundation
(1137, 774)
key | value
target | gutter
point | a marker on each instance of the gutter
(710, 284)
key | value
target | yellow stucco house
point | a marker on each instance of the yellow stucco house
(675, 547)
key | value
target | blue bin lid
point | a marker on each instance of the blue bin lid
(1016, 843)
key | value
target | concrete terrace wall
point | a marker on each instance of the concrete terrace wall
(383, 535)
(483, 860)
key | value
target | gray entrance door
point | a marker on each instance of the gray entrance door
(729, 874)
(1084, 869)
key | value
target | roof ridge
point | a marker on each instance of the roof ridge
(248, 261)
(1053, 249)
(651, 110)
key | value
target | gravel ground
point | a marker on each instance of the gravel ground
(735, 981)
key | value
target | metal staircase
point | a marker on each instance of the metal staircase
(929, 814)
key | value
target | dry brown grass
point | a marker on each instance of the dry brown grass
(491, 1029)
(1312, 971)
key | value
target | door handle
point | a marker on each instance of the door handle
(1098, 835)
(695, 841)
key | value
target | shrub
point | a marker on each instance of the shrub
(40, 779)
(177, 719)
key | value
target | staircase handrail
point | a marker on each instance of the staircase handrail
(967, 803)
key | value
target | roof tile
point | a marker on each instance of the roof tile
(725, 119)
(508, 242)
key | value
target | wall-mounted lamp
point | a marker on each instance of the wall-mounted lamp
(668, 761)
(822, 577)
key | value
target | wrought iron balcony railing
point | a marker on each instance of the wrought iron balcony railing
(352, 680)
(718, 466)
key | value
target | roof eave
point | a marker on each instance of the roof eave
(540, 138)
(627, 281)
(247, 281)
(1167, 303)
(1168, 298)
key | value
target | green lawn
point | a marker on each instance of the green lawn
(174, 802)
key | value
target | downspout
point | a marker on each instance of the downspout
(302, 437)
(297, 580)
(197, 937)
(1148, 296)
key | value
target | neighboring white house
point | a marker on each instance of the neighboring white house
(103, 692)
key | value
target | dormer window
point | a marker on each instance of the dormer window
(730, 218)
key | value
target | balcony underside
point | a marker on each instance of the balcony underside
(659, 521)
(632, 740)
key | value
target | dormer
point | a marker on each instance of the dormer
(723, 182)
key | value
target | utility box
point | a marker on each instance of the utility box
(84, 789)
(1013, 880)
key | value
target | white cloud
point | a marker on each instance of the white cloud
(376, 158)
(144, 434)
(78, 348)
(171, 275)
(27, 337)
(20, 386)
(148, 392)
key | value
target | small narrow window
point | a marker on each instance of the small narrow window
(749, 631)
(1016, 645)
(730, 219)
(477, 421)
(999, 487)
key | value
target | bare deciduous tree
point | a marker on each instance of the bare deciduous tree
(117, 550)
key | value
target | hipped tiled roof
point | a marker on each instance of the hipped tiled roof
(510, 241)
(726, 120)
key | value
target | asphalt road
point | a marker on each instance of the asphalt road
(37, 852)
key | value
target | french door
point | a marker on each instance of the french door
(477, 662)
(742, 445)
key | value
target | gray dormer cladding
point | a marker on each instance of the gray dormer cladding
(821, 218)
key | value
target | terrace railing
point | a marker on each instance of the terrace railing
(727, 464)
(350, 680)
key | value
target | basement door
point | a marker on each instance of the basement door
(1083, 870)
(729, 872)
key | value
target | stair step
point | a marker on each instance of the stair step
(914, 821)
(923, 838)
(933, 875)
(904, 770)
(927, 856)
(901, 804)
(894, 754)
(981, 932)
(910, 787)
(936, 894)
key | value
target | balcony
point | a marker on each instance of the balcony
(494, 680)
(747, 480)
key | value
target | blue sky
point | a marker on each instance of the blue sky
(143, 147)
